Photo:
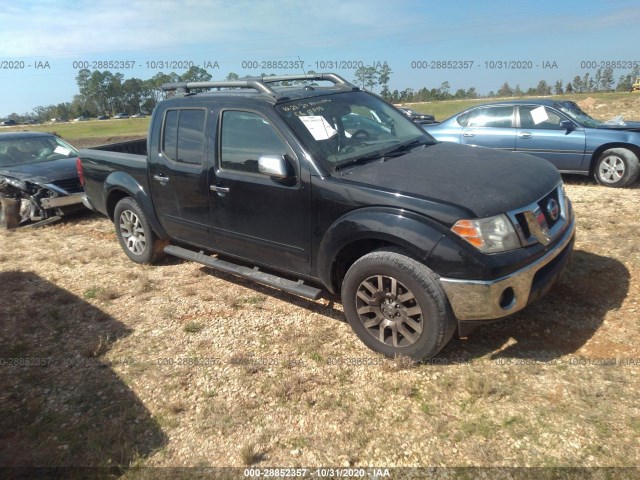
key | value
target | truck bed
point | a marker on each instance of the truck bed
(136, 147)
(101, 164)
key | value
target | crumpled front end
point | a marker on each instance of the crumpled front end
(34, 202)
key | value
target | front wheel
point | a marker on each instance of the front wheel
(617, 167)
(396, 305)
(9, 213)
(134, 233)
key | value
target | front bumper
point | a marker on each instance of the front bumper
(493, 299)
(63, 201)
(87, 203)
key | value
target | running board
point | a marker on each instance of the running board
(297, 288)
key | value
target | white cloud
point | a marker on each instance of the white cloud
(51, 29)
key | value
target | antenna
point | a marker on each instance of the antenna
(304, 70)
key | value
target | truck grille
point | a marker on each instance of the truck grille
(544, 220)
(550, 206)
(69, 185)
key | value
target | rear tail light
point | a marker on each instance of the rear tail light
(80, 172)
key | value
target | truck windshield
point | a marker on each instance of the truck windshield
(344, 128)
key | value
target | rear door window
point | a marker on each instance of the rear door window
(183, 135)
(496, 117)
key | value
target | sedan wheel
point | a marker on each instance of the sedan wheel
(9, 213)
(617, 167)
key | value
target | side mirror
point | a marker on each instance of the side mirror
(567, 125)
(273, 165)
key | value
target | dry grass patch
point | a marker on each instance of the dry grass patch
(232, 373)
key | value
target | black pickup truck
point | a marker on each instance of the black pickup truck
(306, 187)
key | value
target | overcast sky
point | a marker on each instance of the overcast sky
(41, 41)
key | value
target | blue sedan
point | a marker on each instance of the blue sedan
(558, 131)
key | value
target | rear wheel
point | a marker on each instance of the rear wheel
(135, 234)
(617, 167)
(9, 213)
(396, 306)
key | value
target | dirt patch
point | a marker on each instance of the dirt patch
(605, 109)
(587, 103)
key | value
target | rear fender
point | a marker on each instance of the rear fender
(119, 185)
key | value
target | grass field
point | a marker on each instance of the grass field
(90, 129)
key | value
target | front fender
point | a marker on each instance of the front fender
(415, 233)
(119, 185)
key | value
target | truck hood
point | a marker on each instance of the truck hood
(42, 172)
(482, 180)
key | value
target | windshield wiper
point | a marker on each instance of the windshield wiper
(405, 147)
(354, 161)
(382, 156)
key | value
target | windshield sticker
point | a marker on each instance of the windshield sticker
(318, 127)
(313, 106)
(62, 151)
(539, 115)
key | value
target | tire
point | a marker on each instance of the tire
(9, 213)
(617, 167)
(134, 233)
(388, 289)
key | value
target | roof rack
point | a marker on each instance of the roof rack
(256, 83)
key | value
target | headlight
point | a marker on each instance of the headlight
(15, 183)
(489, 235)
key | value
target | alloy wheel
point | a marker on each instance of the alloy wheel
(611, 169)
(132, 232)
(389, 311)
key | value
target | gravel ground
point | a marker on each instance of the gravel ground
(105, 362)
(199, 368)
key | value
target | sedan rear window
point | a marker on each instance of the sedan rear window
(496, 117)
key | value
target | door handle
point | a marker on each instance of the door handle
(161, 178)
(525, 135)
(217, 189)
(468, 134)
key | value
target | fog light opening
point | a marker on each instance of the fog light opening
(508, 298)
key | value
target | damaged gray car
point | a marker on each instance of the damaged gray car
(38, 179)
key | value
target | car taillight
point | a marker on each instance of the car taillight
(80, 172)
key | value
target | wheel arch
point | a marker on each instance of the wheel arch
(118, 186)
(365, 230)
(606, 146)
(114, 197)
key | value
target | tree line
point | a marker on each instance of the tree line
(107, 93)
(602, 81)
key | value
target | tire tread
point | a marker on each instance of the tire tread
(154, 250)
(9, 213)
(428, 282)
(632, 166)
